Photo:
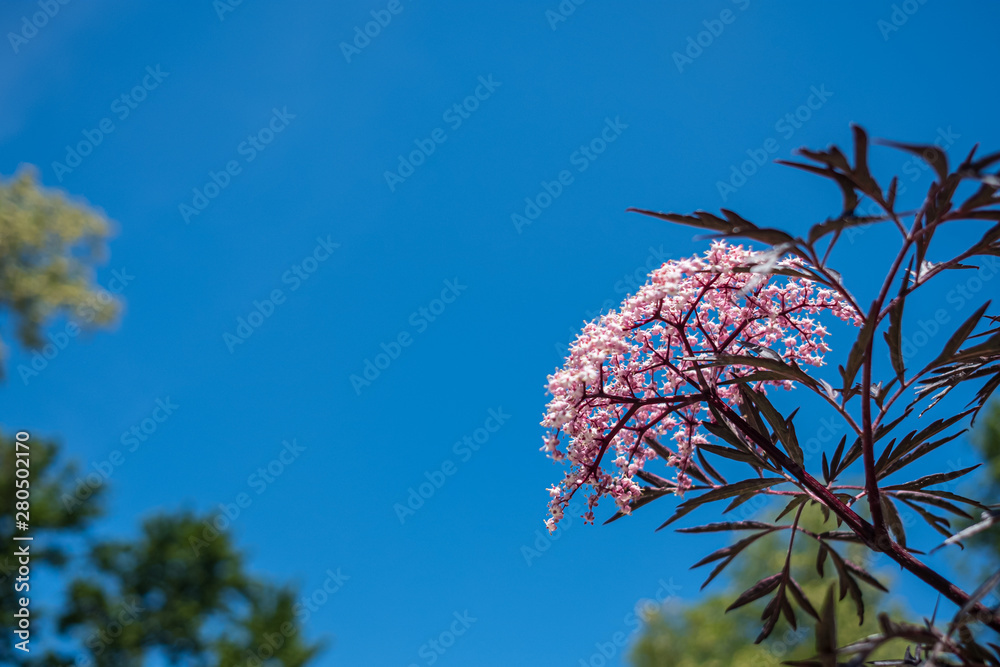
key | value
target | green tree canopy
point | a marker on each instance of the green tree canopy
(706, 635)
(120, 603)
(127, 601)
(48, 248)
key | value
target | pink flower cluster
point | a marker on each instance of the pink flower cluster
(639, 371)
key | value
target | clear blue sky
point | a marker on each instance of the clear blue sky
(445, 229)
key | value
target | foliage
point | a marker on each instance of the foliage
(125, 603)
(155, 595)
(705, 634)
(695, 351)
(54, 526)
(48, 249)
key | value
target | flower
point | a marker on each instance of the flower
(640, 371)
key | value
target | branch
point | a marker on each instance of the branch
(861, 528)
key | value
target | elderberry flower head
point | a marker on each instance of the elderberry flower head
(640, 371)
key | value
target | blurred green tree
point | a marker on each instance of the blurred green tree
(48, 249)
(120, 603)
(706, 635)
(124, 601)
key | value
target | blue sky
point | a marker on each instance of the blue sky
(298, 132)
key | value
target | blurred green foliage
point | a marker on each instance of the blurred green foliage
(126, 601)
(703, 634)
(48, 248)
(111, 603)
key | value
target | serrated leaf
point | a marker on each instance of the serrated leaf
(785, 371)
(721, 493)
(985, 195)
(837, 453)
(936, 478)
(826, 512)
(772, 614)
(647, 495)
(728, 525)
(730, 490)
(892, 519)
(938, 523)
(816, 232)
(851, 198)
(727, 554)
(737, 501)
(894, 335)
(886, 455)
(709, 468)
(654, 479)
(885, 429)
(678, 513)
(826, 631)
(859, 603)
(801, 599)
(694, 472)
(848, 584)
(782, 427)
(756, 591)
(862, 175)
(732, 454)
(792, 444)
(721, 429)
(715, 572)
(783, 271)
(660, 450)
(788, 612)
(699, 219)
(931, 154)
(929, 499)
(982, 353)
(984, 393)
(952, 496)
(837, 466)
(821, 559)
(958, 338)
(733, 226)
(842, 535)
(858, 351)
(833, 158)
(891, 197)
(899, 463)
(753, 417)
(915, 438)
(793, 503)
(732, 549)
(984, 162)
